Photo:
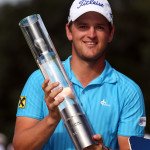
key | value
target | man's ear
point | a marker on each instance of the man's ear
(68, 32)
(111, 34)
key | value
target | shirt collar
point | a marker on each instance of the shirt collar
(107, 76)
(70, 73)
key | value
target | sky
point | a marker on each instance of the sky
(11, 1)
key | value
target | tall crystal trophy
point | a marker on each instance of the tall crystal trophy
(51, 67)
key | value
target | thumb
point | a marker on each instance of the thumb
(98, 138)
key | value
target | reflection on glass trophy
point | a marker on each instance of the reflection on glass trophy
(51, 67)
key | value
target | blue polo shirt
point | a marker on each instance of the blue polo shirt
(112, 102)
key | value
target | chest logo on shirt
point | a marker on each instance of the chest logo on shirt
(104, 103)
(22, 102)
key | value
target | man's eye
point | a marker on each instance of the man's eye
(83, 27)
(100, 28)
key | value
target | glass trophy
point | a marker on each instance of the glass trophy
(51, 67)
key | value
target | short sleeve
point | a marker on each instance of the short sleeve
(132, 119)
(32, 97)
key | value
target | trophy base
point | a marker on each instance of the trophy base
(77, 126)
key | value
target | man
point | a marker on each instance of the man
(112, 102)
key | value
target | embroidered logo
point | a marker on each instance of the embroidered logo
(142, 122)
(22, 102)
(88, 2)
(104, 103)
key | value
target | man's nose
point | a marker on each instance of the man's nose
(91, 32)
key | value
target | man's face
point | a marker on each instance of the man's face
(90, 35)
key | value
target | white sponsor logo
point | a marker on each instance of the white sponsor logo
(142, 122)
(104, 103)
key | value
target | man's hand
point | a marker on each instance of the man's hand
(51, 91)
(99, 142)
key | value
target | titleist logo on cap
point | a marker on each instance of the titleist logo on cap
(88, 2)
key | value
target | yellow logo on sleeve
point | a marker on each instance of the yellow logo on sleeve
(22, 102)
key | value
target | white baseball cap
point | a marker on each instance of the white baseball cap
(79, 7)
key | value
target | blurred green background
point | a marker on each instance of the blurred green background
(129, 52)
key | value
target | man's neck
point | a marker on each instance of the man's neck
(87, 71)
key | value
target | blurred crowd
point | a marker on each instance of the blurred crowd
(4, 145)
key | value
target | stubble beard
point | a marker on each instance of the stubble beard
(92, 59)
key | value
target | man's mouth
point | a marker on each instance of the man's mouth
(90, 43)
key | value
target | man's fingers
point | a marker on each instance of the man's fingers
(53, 105)
(45, 83)
(53, 94)
(49, 87)
(98, 138)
